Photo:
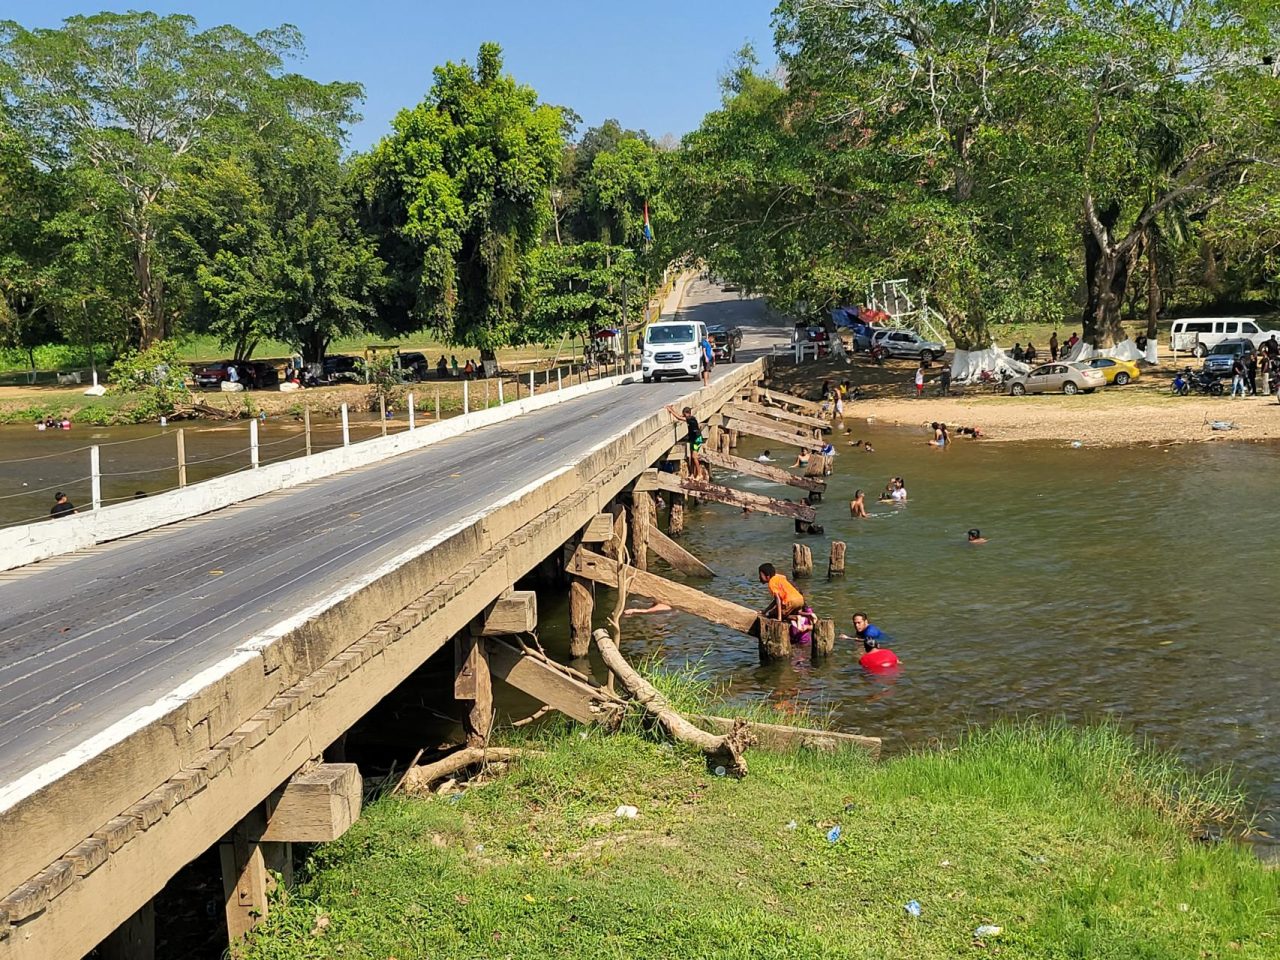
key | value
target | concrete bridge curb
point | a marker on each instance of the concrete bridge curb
(32, 542)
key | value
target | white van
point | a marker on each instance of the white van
(673, 348)
(1199, 335)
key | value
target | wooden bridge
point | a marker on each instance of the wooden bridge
(178, 689)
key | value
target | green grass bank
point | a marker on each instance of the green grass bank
(1076, 843)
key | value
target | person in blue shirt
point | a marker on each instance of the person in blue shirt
(708, 360)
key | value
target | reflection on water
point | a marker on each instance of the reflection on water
(1127, 584)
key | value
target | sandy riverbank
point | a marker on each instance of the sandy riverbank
(1142, 412)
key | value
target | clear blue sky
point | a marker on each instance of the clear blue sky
(652, 64)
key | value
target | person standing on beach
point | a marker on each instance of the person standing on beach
(944, 381)
(919, 381)
(1237, 378)
(1053, 346)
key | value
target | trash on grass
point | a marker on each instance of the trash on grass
(791, 824)
(626, 812)
(833, 834)
(987, 930)
(912, 907)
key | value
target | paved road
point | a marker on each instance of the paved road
(88, 639)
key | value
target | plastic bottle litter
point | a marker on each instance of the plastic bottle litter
(1077, 444)
(479, 848)
(791, 824)
(987, 930)
(912, 907)
(719, 771)
(626, 812)
(833, 834)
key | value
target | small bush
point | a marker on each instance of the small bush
(155, 375)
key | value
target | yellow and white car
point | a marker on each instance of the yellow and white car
(1116, 371)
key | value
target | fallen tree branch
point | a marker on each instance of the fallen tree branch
(726, 750)
(418, 780)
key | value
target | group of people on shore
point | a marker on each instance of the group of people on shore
(1030, 355)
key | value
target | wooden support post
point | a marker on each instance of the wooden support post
(762, 471)
(135, 939)
(316, 806)
(581, 607)
(801, 561)
(642, 513)
(677, 556)
(775, 640)
(306, 426)
(675, 519)
(565, 689)
(824, 638)
(182, 457)
(592, 566)
(246, 878)
(835, 567)
(516, 611)
(656, 480)
(471, 684)
(733, 439)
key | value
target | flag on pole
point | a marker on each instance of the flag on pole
(648, 228)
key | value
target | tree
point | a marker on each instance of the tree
(578, 289)
(458, 198)
(269, 240)
(1170, 107)
(132, 96)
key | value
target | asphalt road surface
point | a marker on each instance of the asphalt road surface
(87, 639)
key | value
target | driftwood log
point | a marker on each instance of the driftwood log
(418, 780)
(724, 750)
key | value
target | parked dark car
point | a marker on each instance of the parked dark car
(414, 365)
(1223, 354)
(253, 374)
(342, 367)
(725, 341)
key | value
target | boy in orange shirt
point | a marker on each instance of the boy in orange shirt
(785, 598)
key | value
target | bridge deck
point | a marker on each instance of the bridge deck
(89, 638)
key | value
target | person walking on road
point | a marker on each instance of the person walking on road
(708, 360)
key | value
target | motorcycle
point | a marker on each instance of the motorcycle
(1188, 382)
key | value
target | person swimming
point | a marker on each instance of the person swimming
(940, 436)
(875, 658)
(858, 506)
(802, 623)
(802, 459)
(976, 537)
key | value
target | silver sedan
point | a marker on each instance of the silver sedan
(1068, 378)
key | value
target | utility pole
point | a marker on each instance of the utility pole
(626, 329)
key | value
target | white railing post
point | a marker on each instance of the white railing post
(531, 390)
(501, 401)
(346, 428)
(412, 423)
(95, 477)
(466, 397)
(253, 443)
(559, 383)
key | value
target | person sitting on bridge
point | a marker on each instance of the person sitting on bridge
(695, 439)
(785, 599)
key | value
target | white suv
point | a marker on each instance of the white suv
(673, 348)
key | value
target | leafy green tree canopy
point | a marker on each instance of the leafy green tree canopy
(459, 197)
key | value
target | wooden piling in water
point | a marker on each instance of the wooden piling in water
(581, 608)
(642, 514)
(775, 640)
(675, 519)
(835, 566)
(824, 638)
(801, 561)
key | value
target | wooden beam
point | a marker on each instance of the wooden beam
(779, 413)
(740, 417)
(786, 399)
(777, 435)
(516, 611)
(592, 566)
(763, 471)
(316, 806)
(471, 685)
(775, 736)
(675, 555)
(558, 687)
(657, 480)
(599, 529)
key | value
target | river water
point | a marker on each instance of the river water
(1129, 584)
(36, 464)
(1133, 584)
